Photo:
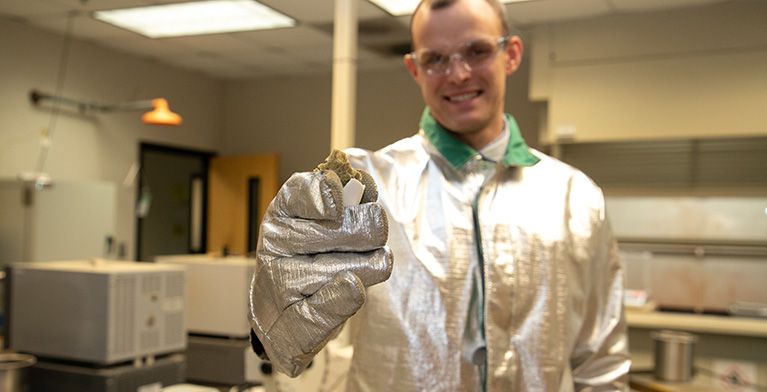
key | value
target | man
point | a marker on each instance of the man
(506, 275)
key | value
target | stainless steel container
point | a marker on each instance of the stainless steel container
(674, 355)
(14, 369)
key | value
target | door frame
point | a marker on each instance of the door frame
(172, 150)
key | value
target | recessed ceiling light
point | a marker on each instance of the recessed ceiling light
(406, 7)
(196, 18)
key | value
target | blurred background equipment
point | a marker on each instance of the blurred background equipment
(674, 355)
(14, 371)
(219, 350)
(62, 220)
(98, 325)
(66, 220)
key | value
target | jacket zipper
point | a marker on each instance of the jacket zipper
(481, 262)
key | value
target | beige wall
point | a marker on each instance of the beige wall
(99, 147)
(686, 73)
(292, 116)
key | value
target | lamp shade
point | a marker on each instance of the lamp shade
(161, 115)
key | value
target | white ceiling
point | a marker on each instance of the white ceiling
(306, 48)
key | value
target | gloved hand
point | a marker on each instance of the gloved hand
(315, 258)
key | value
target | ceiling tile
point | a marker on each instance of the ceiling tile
(211, 66)
(544, 11)
(214, 43)
(308, 11)
(96, 5)
(24, 8)
(321, 11)
(155, 49)
(299, 36)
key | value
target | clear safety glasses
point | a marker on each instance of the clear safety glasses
(473, 55)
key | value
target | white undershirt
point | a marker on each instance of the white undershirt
(496, 150)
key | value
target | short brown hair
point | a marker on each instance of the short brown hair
(437, 4)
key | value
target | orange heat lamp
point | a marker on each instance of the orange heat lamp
(160, 115)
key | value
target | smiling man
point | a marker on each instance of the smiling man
(463, 55)
(505, 275)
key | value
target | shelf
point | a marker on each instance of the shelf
(701, 323)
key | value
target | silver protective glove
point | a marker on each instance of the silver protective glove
(315, 258)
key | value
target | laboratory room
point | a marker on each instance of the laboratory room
(377, 195)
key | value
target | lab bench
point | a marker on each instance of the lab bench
(730, 354)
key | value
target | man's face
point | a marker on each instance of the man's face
(467, 103)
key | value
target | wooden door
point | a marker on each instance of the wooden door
(239, 190)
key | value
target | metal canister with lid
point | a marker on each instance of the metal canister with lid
(674, 355)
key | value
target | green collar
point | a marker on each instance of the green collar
(457, 153)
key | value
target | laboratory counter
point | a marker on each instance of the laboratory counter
(729, 354)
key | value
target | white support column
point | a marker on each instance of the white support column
(343, 110)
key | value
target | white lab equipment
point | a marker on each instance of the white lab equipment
(96, 311)
(217, 293)
(219, 349)
(68, 220)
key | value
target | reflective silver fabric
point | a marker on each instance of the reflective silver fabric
(541, 254)
(315, 258)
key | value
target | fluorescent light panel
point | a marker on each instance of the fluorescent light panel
(196, 18)
(406, 7)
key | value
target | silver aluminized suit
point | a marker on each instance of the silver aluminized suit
(506, 276)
